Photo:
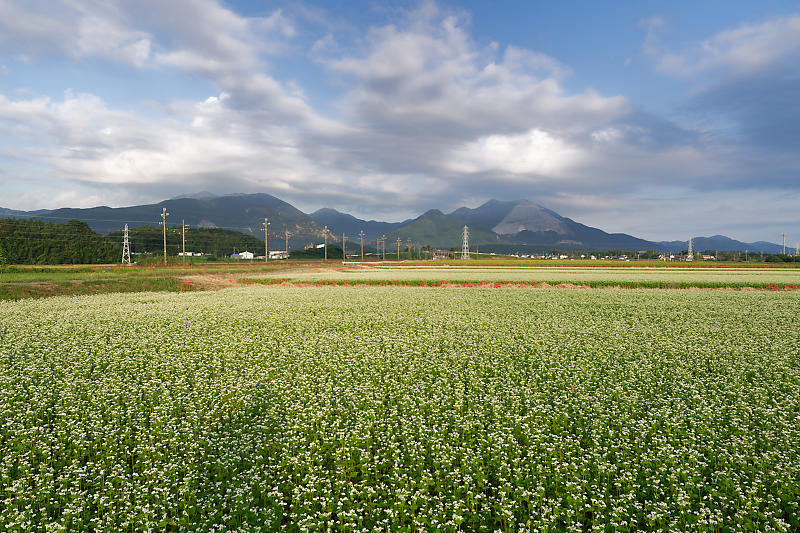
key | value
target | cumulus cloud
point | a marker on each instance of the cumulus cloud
(744, 89)
(426, 116)
(71, 29)
(738, 51)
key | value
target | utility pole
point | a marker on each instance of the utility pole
(408, 247)
(266, 240)
(325, 245)
(398, 248)
(344, 248)
(287, 244)
(383, 241)
(465, 244)
(163, 223)
(126, 248)
(183, 240)
(362, 245)
(784, 244)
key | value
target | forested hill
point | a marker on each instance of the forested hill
(37, 242)
(48, 243)
(212, 241)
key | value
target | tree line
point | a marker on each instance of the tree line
(33, 242)
(215, 242)
(49, 243)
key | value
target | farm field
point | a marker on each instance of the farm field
(652, 276)
(25, 281)
(401, 408)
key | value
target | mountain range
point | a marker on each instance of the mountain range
(501, 226)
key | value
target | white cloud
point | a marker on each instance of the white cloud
(427, 114)
(743, 50)
(430, 74)
(71, 29)
(532, 153)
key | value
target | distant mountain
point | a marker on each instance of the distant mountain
(241, 212)
(488, 215)
(202, 195)
(15, 213)
(526, 222)
(340, 223)
(436, 229)
(720, 243)
(501, 224)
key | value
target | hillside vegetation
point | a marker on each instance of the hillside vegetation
(48, 243)
(212, 241)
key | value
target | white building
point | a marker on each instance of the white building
(278, 254)
(243, 255)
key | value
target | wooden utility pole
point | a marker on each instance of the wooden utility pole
(287, 244)
(266, 240)
(344, 247)
(164, 216)
(383, 242)
(183, 240)
(325, 245)
(408, 247)
(398, 248)
(362, 245)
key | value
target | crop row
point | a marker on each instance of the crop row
(401, 409)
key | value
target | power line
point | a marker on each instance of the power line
(164, 216)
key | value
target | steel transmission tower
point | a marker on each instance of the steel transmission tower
(465, 244)
(690, 255)
(126, 248)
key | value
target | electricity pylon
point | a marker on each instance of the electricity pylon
(126, 248)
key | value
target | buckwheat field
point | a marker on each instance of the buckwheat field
(401, 409)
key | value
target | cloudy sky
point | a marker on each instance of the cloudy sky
(659, 119)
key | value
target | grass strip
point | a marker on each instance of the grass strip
(17, 291)
(527, 284)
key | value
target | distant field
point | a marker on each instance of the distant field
(41, 281)
(401, 409)
(604, 275)
(19, 282)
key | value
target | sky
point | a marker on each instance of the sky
(659, 119)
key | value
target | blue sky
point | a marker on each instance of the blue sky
(659, 119)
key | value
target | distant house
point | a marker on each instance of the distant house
(278, 254)
(243, 255)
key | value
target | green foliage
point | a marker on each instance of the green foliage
(782, 258)
(439, 230)
(334, 252)
(3, 258)
(216, 241)
(48, 243)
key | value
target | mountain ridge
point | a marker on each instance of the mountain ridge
(495, 222)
